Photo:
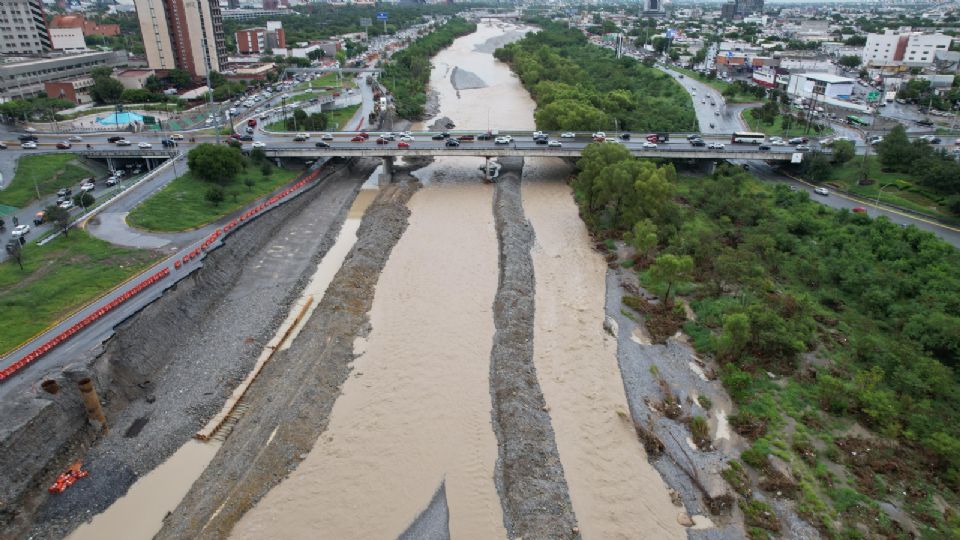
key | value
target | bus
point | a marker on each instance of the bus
(857, 121)
(747, 137)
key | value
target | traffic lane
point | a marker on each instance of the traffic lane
(837, 200)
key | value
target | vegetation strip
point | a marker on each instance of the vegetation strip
(529, 475)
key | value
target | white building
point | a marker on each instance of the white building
(894, 47)
(68, 39)
(821, 85)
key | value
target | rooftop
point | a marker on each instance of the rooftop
(828, 78)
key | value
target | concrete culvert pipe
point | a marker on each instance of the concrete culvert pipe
(91, 401)
(50, 386)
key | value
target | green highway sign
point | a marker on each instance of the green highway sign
(873, 96)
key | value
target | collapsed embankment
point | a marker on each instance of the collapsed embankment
(530, 479)
(167, 368)
(289, 404)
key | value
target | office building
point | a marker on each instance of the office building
(182, 34)
(894, 47)
(26, 77)
(90, 28)
(652, 8)
(748, 7)
(68, 39)
(23, 27)
(261, 40)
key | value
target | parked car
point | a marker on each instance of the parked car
(821, 191)
(20, 230)
(88, 187)
(112, 181)
(63, 192)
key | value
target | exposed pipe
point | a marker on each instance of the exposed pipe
(50, 386)
(91, 401)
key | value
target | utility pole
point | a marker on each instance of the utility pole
(216, 110)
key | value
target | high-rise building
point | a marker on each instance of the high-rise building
(652, 8)
(185, 34)
(23, 27)
(747, 7)
(894, 47)
(260, 40)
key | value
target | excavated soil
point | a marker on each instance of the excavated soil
(290, 402)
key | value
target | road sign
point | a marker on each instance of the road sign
(381, 15)
(365, 21)
(873, 96)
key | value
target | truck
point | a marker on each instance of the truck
(658, 137)
(890, 96)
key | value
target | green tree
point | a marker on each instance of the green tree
(266, 169)
(817, 166)
(249, 182)
(842, 152)
(850, 61)
(84, 199)
(670, 269)
(106, 90)
(215, 195)
(15, 250)
(214, 163)
(217, 79)
(735, 336)
(895, 150)
(643, 238)
(60, 217)
(179, 77)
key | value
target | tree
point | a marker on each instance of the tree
(817, 166)
(249, 182)
(215, 163)
(643, 238)
(15, 250)
(849, 61)
(106, 90)
(670, 269)
(59, 217)
(217, 79)
(266, 169)
(84, 199)
(843, 151)
(856, 41)
(179, 78)
(215, 195)
(895, 150)
(257, 155)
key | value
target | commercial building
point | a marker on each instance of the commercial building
(68, 40)
(894, 47)
(25, 77)
(184, 34)
(23, 27)
(90, 28)
(245, 14)
(820, 84)
(76, 90)
(260, 40)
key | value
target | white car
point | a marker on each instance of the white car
(821, 191)
(501, 140)
(304, 135)
(144, 145)
(176, 137)
(29, 145)
(87, 187)
(258, 144)
(554, 144)
(75, 138)
(802, 148)
(648, 144)
(568, 135)
(20, 230)
(326, 136)
(407, 138)
(66, 205)
(538, 134)
(112, 181)
(599, 135)
(716, 146)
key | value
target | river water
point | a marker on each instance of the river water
(417, 411)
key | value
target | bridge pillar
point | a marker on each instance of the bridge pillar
(386, 177)
(709, 166)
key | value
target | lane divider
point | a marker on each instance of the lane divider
(178, 264)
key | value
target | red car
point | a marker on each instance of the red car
(858, 210)
(364, 134)
(252, 122)
(358, 138)
(403, 144)
(63, 145)
(465, 138)
(234, 135)
(381, 140)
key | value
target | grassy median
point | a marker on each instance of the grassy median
(182, 205)
(57, 279)
(44, 172)
(337, 120)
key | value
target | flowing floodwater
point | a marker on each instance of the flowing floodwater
(614, 490)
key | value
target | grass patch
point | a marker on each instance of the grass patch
(57, 279)
(900, 188)
(46, 172)
(797, 129)
(181, 204)
(330, 79)
(717, 84)
(335, 120)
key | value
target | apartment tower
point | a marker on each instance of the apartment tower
(23, 28)
(183, 34)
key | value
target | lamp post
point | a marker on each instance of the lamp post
(880, 192)
(283, 108)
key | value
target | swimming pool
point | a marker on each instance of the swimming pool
(123, 118)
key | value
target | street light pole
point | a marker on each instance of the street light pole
(880, 192)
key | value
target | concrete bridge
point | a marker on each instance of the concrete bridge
(331, 69)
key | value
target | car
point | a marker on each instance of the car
(364, 134)
(802, 148)
(168, 144)
(798, 140)
(614, 141)
(554, 144)
(488, 136)
(403, 144)
(537, 134)
(648, 144)
(568, 135)
(599, 136)
(694, 136)
(144, 145)
(75, 138)
(625, 136)
(63, 192)
(39, 218)
(321, 144)
(298, 138)
(716, 146)
(245, 138)
(876, 139)
(29, 145)
(382, 140)
(3, 145)
(304, 135)
(452, 143)
(501, 140)
(123, 142)
(88, 187)
(20, 230)
(258, 144)
(176, 137)
(932, 139)
(112, 181)
(703, 102)
(252, 122)
(234, 136)
(27, 138)
(466, 138)
(764, 147)
(716, 113)
(358, 138)
(777, 142)
(407, 138)
(326, 136)
(116, 138)
(63, 145)
(437, 137)
(66, 205)
(697, 142)
(540, 140)
(821, 191)
(858, 210)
